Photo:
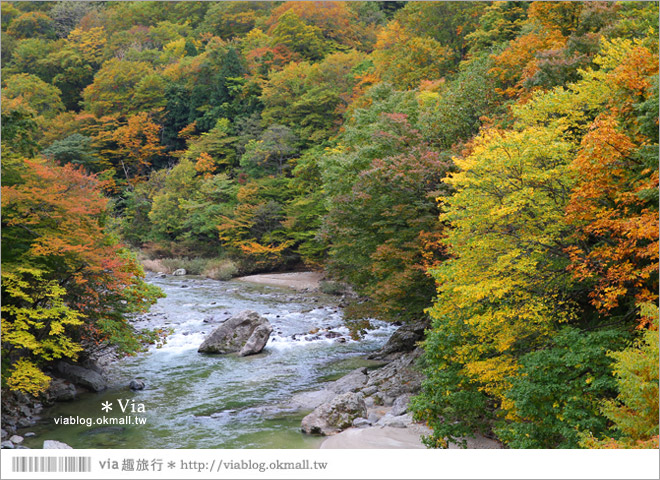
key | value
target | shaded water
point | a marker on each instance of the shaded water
(194, 400)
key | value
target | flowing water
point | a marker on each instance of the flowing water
(193, 400)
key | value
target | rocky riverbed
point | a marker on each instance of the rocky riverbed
(304, 383)
(198, 400)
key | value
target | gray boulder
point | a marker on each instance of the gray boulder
(82, 376)
(61, 390)
(361, 423)
(351, 382)
(338, 415)
(54, 444)
(16, 439)
(7, 444)
(400, 405)
(370, 390)
(179, 272)
(397, 378)
(258, 340)
(246, 333)
(400, 421)
(136, 384)
(310, 400)
(405, 339)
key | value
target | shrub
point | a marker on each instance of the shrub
(194, 266)
(331, 288)
(154, 265)
(220, 269)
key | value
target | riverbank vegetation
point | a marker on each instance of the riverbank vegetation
(490, 167)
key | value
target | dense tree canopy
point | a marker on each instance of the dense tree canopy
(487, 169)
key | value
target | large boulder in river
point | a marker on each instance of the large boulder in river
(335, 416)
(246, 333)
(81, 376)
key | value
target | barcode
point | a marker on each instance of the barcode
(51, 464)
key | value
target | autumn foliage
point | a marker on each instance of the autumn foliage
(486, 169)
(65, 280)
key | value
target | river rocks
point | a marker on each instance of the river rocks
(333, 417)
(405, 339)
(136, 384)
(361, 423)
(19, 410)
(257, 341)
(61, 390)
(400, 405)
(25, 422)
(6, 444)
(398, 421)
(54, 444)
(370, 390)
(179, 272)
(352, 382)
(82, 376)
(99, 358)
(389, 386)
(331, 334)
(246, 333)
(308, 401)
(16, 439)
(397, 378)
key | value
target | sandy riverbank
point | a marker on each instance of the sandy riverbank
(295, 280)
(378, 437)
(390, 437)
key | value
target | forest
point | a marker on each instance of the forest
(488, 168)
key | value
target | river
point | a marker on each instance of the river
(193, 400)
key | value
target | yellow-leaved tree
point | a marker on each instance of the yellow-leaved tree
(520, 337)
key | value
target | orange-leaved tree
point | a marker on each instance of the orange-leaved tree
(66, 280)
(614, 205)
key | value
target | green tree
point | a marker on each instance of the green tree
(32, 24)
(506, 287)
(37, 94)
(114, 87)
(306, 40)
(29, 56)
(634, 412)
(556, 393)
(231, 19)
(268, 154)
(67, 15)
(511, 283)
(448, 23)
(76, 149)
(310, 99)
(405, 59)
(218, 143)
